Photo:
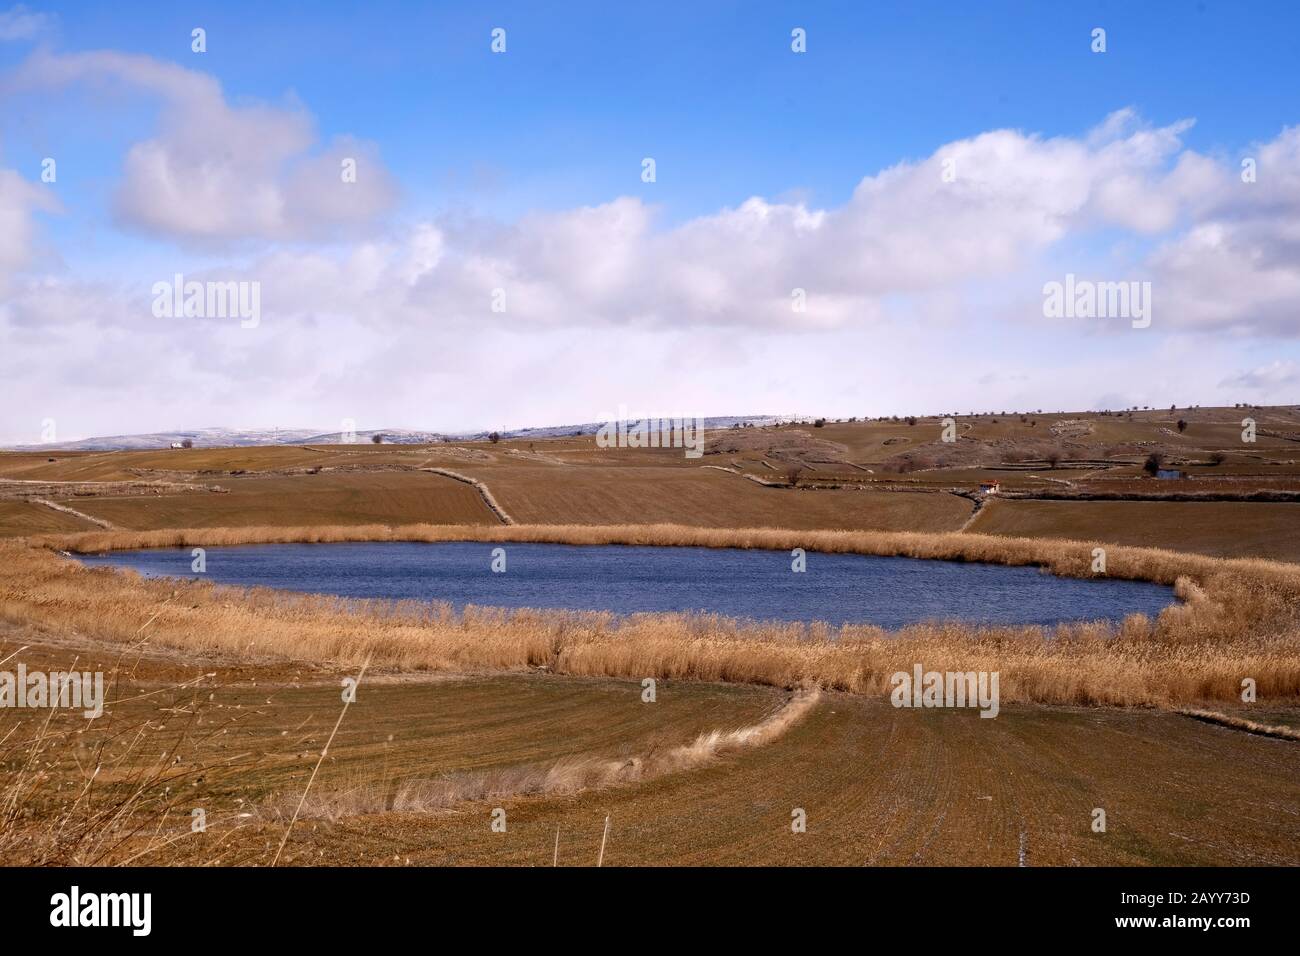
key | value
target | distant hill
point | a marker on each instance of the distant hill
(241, 437)
(590, 428)
(232, 438)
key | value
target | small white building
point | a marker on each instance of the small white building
(990, 487)
(177, 444)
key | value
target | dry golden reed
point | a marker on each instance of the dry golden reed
(1239, 618)
(105, 792)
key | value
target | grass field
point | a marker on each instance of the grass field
(878, 785)
(1224, 528)
(865, 475)
(360, 498)
(244, 688)
(23, 518)
(704, 497)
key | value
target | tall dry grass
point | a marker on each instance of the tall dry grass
(1240, 618)
(112, 791)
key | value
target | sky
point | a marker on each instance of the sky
(855, 209)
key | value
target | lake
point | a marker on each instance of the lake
(752, 584)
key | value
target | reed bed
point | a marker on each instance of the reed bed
(1239, 618)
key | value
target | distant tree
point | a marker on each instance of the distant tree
(1053, 457)
(819, 423)
(793, 475)
(1153, 463)
(494, 437)
(377, 438)
(1182, 425)
(911, 419)
(1218, 458)
(187, 443)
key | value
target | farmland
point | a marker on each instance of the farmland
(1094, 719)
(878, 785)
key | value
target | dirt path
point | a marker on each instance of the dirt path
(754, 478)
(492, 504)
(106, 525)
(979, 501)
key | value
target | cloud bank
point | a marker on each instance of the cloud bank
(930, 274)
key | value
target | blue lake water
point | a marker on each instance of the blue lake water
(753, 584)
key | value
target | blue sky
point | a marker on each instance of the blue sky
(476, 144)
(707, 88)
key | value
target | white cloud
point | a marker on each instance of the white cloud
(1271, 377)
(18, 200)
(1224, 258)
(222, 172)
(20, 23)
(1238, 267)
(923, 294)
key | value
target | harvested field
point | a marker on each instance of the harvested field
(1222, 528)
(704, 497)
(882, 786)
(540, 713)
(395, 497)
(251, 734)
(28, 517)
(879, 785)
